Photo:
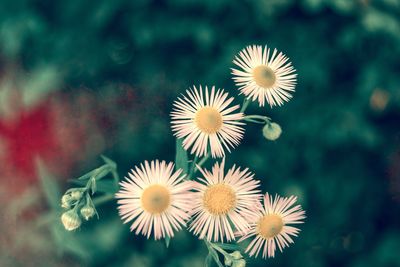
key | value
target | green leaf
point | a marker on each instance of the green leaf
(110, 162)
(181, 158)
(86, 176)
(167, 240)
(101, 172)
(115, 178)
(49, 186)
(97, 173)
(103, 186)
(93, 186)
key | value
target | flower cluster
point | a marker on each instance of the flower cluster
(78, 201)
(220, 205)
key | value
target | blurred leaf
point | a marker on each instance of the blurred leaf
(103, 186)
(87, 175)
(39, 84)
(181, 158)
(49, 186)
(110, 162)
(101, 172)
(97, 173)
(68, 241)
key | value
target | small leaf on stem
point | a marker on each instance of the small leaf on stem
(181, 158)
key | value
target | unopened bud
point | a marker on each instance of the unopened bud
(65, 201)
(87, 212)
(70, 220)
(239, 263)
(236, 255)
(272, 131)
(228, 261)
(76, 195)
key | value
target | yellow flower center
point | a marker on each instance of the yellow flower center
(156, 199)
(270, 225)
(264, 76)
(219, 199)
(208, 119)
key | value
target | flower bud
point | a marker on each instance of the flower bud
(70, 220)
(76, 195)
(65, 201)
(272, 131)
(239, 263)
(228, 261)
(236, 255)
(87, 212)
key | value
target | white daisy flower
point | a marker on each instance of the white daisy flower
(270, 228)
(264, 77)
(155, 198)
(204, 120)
(222, 202)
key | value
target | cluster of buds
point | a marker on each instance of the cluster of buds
(71, 198)
(73, 201)
(235, 259)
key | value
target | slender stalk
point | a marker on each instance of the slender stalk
(257, 119)
(201, 162)
(246, 102)
(219, 249)
(193, 167)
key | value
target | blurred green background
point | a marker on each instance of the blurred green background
(84, 78)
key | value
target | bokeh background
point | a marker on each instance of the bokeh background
(84, 78)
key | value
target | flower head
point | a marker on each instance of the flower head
(66, 201)
(264, 76)
(203, 119)
(70, 219)
(155, 198)
(87, 212)
(222, 201)
(272, 131)
(270, 228)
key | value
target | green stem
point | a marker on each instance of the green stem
(193, 167)
(246, 102)
(220, 250)
(115, 177)
(257, 119)
(201, 162)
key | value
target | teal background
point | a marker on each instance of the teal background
(106, 73)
